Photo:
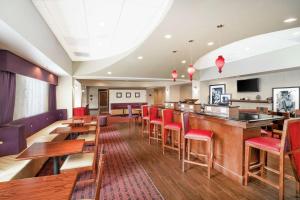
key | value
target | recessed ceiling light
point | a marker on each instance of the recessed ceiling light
(109, 73)
(289, 20)
(247, 49)
(183, 62)
(168, 36)
(140, 57)
(182, 76)
(210, 43)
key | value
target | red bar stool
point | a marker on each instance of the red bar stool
(196, 135)
(155, 124)
(145, 118)
(289, 144)
(170, 129)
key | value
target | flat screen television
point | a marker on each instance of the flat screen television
(248, 85)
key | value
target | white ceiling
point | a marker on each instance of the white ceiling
(197, 20)
(98, 29)
(251, 46)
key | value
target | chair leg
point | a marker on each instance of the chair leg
(149, 134)
(247, 163)
(163, 140)
(210, 158)
(143, 126)
(281, 177)
(189, 148)
(297, 189)
(262, 162)
(179, 145)
(183, 154)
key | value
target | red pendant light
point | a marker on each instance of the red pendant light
(191, 70)
(220, 61)
(174, 75)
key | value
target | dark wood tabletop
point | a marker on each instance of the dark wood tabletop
(72, 129)
(52, 149)
(45, 187)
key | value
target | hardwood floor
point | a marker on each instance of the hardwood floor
(165, 171)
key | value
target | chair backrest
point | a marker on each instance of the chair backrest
(129, 107)
(145, 110)
(99, 175)
(97, 135)
(185, 122)
(153, 112)
(167, 116)
(263, 110)
(291, 143)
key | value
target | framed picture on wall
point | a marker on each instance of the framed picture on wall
(137, 94)
(286, 99)
(128, 94)
(225, 98)
(215, 92)
(119, 95)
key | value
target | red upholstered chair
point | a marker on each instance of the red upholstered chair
(170, 130)
(289, 144)
(145, 118)
(196, 135)
(80, 111)
(155, 124)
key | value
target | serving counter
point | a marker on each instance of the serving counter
(229, 136)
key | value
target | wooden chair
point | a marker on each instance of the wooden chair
(288, 145)
(86, 161)
(145, 118)
(196, 135)
(155, 124)
(171, 128)
(98, 179)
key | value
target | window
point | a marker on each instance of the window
(31, 97)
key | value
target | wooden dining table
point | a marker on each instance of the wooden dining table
(74, 122)
(39, 188)
(53, 150)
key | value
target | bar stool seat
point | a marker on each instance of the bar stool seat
(173, 126)
(146, 118)
(268, 143)
(157, 121)
(197, 134)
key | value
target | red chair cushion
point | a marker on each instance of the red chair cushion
(156, 121)
(197, 134)
(267, 143)
(173, 126)
(294, 143)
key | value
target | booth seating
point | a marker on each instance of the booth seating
(122, 108)
(35, 129)
(288, 145)
(196, 135)
(145, 118)
(155, 127)
(171, 130)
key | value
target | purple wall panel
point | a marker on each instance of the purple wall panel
(15, 64)
(15, 133)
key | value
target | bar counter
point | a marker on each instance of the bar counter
(229, 136)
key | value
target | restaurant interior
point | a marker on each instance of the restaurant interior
(149, 99)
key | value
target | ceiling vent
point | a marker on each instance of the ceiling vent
(81, 54)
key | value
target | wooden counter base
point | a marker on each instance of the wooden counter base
(229, 137)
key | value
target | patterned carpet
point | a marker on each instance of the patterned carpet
(124, 178)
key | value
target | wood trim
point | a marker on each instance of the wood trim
(250, 101)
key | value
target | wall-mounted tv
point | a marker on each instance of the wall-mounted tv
(248, 85)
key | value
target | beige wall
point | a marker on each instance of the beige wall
(64, 94)
(267, 82)
(185, 92)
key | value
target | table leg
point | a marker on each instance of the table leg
(55, 165)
